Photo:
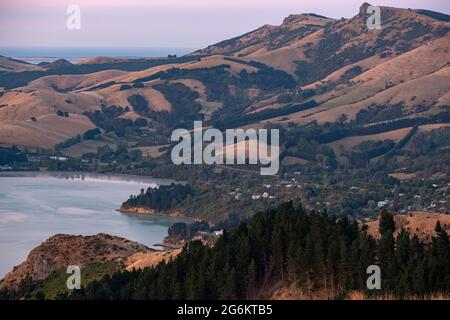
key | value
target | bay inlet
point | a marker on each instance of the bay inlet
(35, 206)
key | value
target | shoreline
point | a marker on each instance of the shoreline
(93, 206)
(167, 243)
(167, 246)
(151, 212)
(125, 177)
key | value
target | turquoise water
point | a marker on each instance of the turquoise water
(35, 207)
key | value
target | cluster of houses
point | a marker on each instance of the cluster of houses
(292, 183)
(264, 195)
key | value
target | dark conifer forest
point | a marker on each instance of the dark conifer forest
(161, 198)
(290, 246)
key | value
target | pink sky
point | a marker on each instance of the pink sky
(162, 23)
(212, 3)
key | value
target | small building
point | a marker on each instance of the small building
(381, 204)
(58, 158)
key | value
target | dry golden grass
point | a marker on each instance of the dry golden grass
(351, 142)
(217, 60)
(73, 82)
(153, 151)
(403, 176)
(291, 292)
(430, 127)
(48, 131)
(417, 77)
(24, 105)
(11, 65)
(132, 76)
(426, 90)
(290, 161)
(193, 84)
(284, 58)
(114, 96)
(131, 115)
(86, 146)
(421, 224)
(141, 260)
(100, 60)
(421, 72)
(357, 295)
(335, 76)
(256, 43)
(244, 150)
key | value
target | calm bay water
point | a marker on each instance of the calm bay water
(34, 207)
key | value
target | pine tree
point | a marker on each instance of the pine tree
(307, 266)
(332, 265)
(387, 223)
(417, 267)
(439, 260)
(344, 271)
(230, 284)
(251, 280)
(292, 262)
(277, 261)
(403, 257)
(367, 257)
(319, 264)
(387, 250)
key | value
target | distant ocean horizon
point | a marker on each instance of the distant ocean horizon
(36, 55)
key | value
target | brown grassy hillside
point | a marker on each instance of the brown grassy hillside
(421, 224)
(347, 69)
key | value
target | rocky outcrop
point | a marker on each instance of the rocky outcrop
(61, 250)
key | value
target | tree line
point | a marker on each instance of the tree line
(289, 245)
(339, 132)
(11, 155)
(160, 199)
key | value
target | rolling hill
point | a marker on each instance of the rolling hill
(309, 69)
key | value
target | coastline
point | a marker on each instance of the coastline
(82, 175)
(150, 212)
(168, 243)
(81, 203)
